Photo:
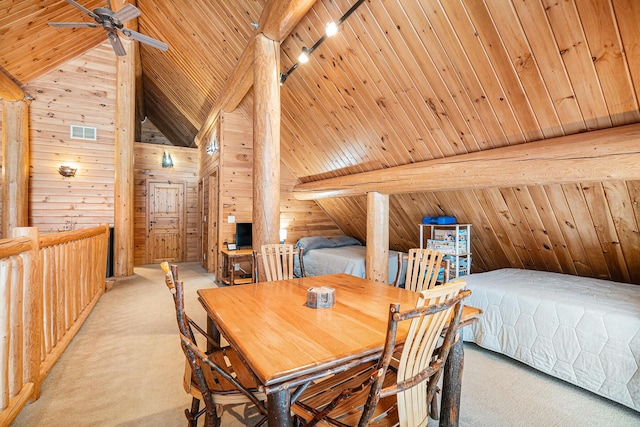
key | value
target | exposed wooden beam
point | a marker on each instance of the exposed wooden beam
(9, 90)
(278, 19)
(609, 154)
(236, 88)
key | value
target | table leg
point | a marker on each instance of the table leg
(279, 409)
(213, 333)
(452, 385)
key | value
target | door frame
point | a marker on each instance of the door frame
(183, 226)
(213, 224)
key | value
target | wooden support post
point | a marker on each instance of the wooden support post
(15, 165)
(266, 142)
(33, 309)
(452, 384)
(123, 162)
(377, 258)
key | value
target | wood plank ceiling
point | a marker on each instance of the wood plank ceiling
(408, 81)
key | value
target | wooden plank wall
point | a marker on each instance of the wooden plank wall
(148, 167)
(300, 218)
(80, 92)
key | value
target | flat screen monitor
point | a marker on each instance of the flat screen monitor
(243, 235)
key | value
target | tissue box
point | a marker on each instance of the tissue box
(321, 297)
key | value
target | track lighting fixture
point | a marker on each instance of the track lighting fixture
(330, 30)
(303, 58)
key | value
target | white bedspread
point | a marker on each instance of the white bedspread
(585, 331)
(345, 259)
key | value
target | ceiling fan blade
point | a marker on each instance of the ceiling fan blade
(82, 8)
(73, 24)
(127, 12)
(116, 43)
(145, 39)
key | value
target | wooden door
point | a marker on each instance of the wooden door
(166, 237)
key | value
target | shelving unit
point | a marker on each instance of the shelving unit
(453, 240)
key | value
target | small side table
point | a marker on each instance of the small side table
(229, 260)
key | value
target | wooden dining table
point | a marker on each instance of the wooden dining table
(286, 344)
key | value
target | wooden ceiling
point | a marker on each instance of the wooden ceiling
(407, 81)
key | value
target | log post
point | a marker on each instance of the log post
(123, 161)
(452, 384)
(377, 257)
(15, 165)
(266, 142)
(33, 309)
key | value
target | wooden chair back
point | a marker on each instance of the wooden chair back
(215, 377)
(278, 262)
(388, 396)
(423, 267)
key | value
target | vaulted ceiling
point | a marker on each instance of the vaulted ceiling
(406, 81)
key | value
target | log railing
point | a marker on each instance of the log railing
(48, 286)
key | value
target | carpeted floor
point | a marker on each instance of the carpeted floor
(124, 368)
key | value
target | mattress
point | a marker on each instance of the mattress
(345, 259)
(582, 330)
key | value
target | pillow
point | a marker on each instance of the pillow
(315, 242)
(345, 241)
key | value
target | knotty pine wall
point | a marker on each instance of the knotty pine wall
(80, 92)
(234, 160)
(148, 168)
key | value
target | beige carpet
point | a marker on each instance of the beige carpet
(124, 368)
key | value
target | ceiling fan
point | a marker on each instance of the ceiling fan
(112, 22)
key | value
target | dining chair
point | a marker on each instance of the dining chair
(216, 377)
(278, 261)
(382, 396)
(423, 268)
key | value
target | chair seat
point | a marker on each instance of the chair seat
(223, 392)
(348, 412)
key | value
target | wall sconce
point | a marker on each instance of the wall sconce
(330, 31)
(213, 146)
(167, 161)
(283, 235)
(67, 171)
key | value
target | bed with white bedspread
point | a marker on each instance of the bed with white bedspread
(582, 330)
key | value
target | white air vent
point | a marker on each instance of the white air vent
(83, 132)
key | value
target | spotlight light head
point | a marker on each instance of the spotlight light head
(331, 29)
(303, 58)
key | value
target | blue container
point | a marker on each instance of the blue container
(446, 220)
(429, 219)
(441, 220)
